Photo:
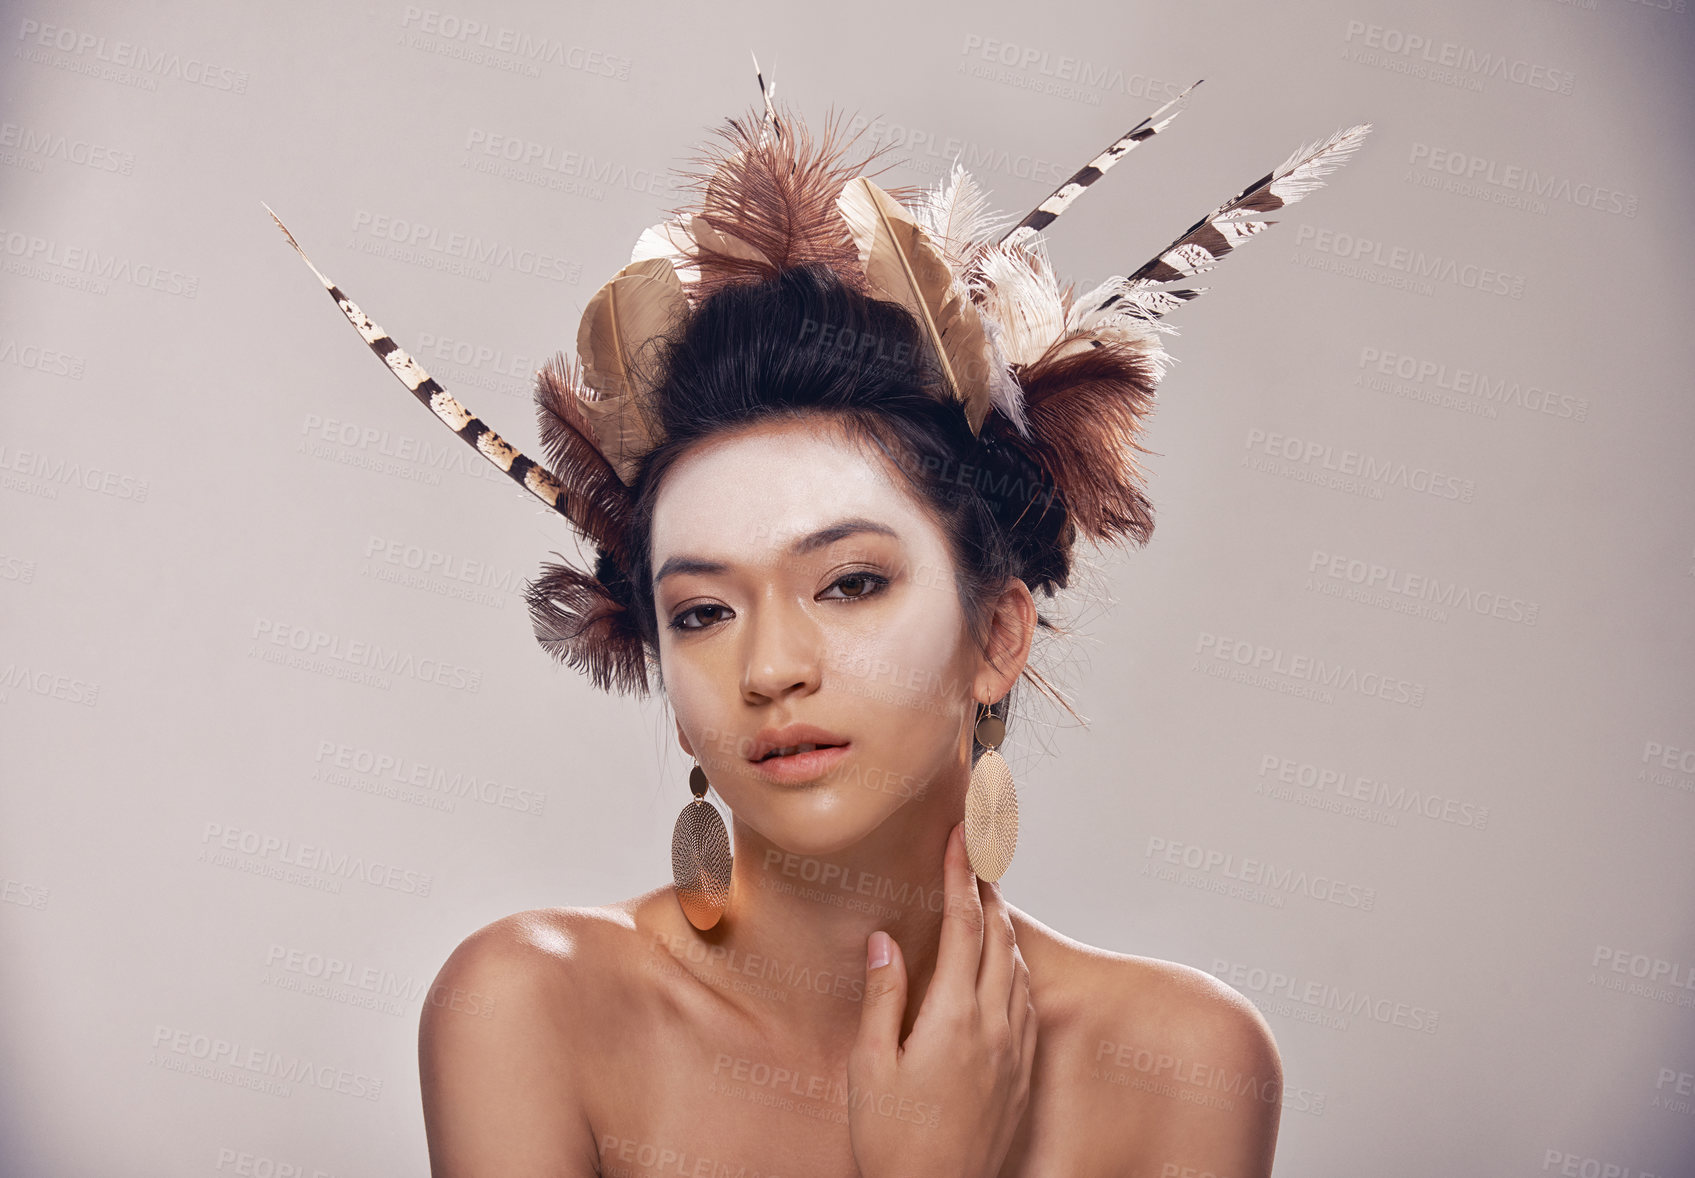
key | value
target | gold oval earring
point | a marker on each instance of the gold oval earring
(991, 804)
(700, 857)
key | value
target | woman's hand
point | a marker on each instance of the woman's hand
(946, 1103)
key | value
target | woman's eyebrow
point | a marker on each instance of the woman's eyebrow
(810, 542)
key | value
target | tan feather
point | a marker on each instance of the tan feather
(674, 240)
(641, 303)
(706, 236)
(901, 263)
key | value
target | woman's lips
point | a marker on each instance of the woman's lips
(798, 767)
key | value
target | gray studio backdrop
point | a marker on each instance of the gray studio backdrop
(1390, 727)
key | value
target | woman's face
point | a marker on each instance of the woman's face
(797, 582)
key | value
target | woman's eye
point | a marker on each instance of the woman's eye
(715, 614)
(857, 585)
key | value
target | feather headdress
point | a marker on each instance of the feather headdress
(1065, 379)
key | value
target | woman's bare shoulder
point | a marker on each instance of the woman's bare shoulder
(1165, 1058)
(1175, 1003)
(516, 1035)
(549, 954)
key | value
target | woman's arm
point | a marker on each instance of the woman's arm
(499, 1078)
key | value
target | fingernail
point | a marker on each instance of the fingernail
(878, 951)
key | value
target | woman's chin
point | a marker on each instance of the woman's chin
(813, 825)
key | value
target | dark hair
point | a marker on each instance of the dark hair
(805, 344)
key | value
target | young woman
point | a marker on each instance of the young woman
(825, 494)
(813, 572)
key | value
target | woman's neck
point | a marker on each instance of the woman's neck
(796, 927)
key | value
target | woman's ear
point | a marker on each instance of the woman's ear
(1012, 627)
(683, 739)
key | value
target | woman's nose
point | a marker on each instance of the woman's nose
(782, 657)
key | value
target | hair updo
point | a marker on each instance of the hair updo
(804, 343)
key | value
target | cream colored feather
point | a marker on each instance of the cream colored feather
(1120, 295)
(904, 264)
(643, 301)
(1016, 287)
(1124, 321)
(1005, 393)
(1127, 329)
(667, 240)
(955, 213)
(957, 216)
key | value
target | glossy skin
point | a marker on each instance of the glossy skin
(622, 1041)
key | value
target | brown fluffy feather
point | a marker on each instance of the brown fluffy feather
(579, 624)
(778, 196)
(1086, 411)
(593, 497)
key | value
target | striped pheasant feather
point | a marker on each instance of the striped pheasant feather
(1219, 232)
(769, 94)
(1060, 199)
(532, 476)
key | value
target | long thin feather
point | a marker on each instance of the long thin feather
(769, 94)
(1044, 214)
(1216, 234)
(1118, 295)
(531, 475)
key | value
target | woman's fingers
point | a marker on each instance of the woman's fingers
(971, 1052)
(884, 1003)
(961, 945)
(1018, 1005)
(1027, 1048)
(995, 973)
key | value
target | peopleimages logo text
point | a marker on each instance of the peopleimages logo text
(468, 246)
(128, 55)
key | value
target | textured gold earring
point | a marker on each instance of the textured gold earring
(991, 805)
(700, 857)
